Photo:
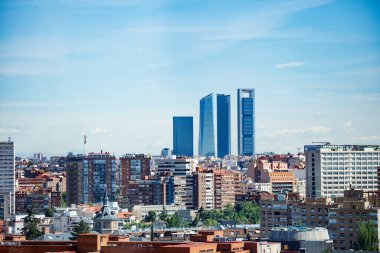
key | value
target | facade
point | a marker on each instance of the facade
(246, 122)
(183, 136)
(89, 176)
(146, 192)
(331, 169)
(5, 201)
(223, 124)
(134, 167)
(203, 190)
(206, 127)
(227, 184)
(74, 171)
(7, 175)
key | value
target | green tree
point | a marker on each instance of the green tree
(80, 228)
(367, 236)
(164, 214)
(210, 222)
(48, 212)
(30, 229)
(174, 221)
(63, 199)
(151, 217)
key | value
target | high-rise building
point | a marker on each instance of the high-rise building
(7, 175)
(227, 184)
(223, 125)
(206, 127)
(89, 176)
(203, 190)
(133, 168)
(183, 136)
(246, 122)
(331, 169)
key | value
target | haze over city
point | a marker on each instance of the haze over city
(119, 71)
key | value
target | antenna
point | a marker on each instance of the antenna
(84, 144)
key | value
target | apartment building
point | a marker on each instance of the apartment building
(203, 190)
(227, 184)
(330, 169)
(134, 167)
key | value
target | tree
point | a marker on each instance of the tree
(367, 236)
(151, 217)
(210, 222)
(63, 199)
(30, 229)
(80, 228)
(164, 214)
(174, 221)
(48, 212)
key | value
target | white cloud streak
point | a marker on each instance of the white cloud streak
(289, 65)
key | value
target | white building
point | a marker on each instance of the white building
(301, 186)
(330, 169)
(141, 211)
(7, 175)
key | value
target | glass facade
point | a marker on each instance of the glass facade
(246, 122)
(223, 125)
(183, 136)
(206, 127)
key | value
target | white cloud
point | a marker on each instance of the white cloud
(289, 65)
(298, 131)
(100, 131)
(317, 114)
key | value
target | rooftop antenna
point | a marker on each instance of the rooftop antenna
(85, 144)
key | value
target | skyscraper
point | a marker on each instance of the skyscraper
(7, 175)
(246, 122)
(183, 136)
(206, 127)
(223, 125)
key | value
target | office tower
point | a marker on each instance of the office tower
(89, 176)
(223, 125)
(331, 169)
(133, 168)
(246, 122)
(183, 136)
(7, 175)
(166, 152)
(206, 127)
(203, 190)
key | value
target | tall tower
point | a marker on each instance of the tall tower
(206, 127)
(183, 136)
(7, 176)
(223, 125)
(246, 122)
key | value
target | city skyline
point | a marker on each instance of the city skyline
(69, 68)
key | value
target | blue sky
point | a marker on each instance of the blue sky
(120, 70)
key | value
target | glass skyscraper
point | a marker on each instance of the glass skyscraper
(206, 127)
(183, 136)
(223, 125)
(246, 122)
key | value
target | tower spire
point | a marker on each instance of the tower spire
(105, 198)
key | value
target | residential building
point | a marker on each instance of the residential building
(74, 179)
(5, 202)
(203, 190)
(246, 122)
(183, 139)
(227, 184)
(343, 220)
(134, 167)
(330, 169)
(206, 127)
(89, 176)
(7, 175)
(223, 124)
(141, 211)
